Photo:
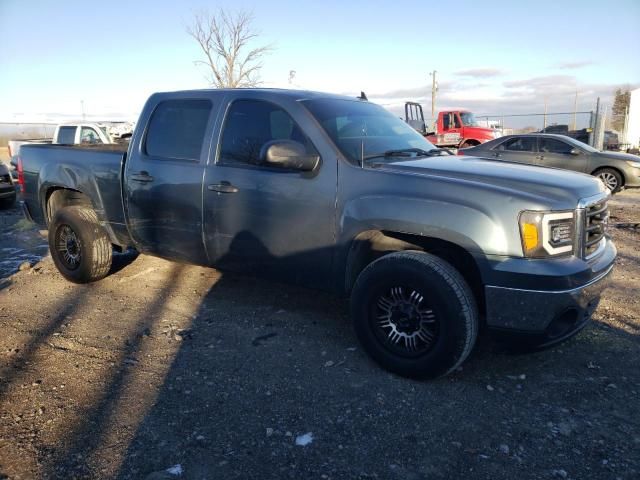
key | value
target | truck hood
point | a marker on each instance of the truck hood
(561, 187)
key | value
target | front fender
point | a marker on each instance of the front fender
(474, 229)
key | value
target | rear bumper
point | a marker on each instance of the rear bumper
(543, 316)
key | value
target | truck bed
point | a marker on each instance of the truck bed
(95, 170)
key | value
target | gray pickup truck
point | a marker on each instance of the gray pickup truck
(335, 193)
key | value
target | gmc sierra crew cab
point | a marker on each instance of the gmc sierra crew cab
(335, 193)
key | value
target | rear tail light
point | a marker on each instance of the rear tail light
(20, 175)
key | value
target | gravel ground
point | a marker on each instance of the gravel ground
(168, 366)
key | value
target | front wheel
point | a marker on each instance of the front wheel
(611, 178)
(79, 246)
(414, 314)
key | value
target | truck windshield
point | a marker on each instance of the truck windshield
(468, 120)
(364, 130)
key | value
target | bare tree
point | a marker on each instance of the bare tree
(226, 40)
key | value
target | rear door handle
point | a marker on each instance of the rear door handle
(141, 177)
(222, 187)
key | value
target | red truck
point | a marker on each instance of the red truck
(453, 128)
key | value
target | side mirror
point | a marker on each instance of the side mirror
(574, 151)
(288, 154)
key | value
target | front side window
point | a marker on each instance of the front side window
(551, 145)
(177, 128)
(89, 136)
(519, 144)
(67, 135)
(445, 121)
(362, 129)
(252, 124)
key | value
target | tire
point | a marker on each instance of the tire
(7, 203)
(414, 314)
(79, 246)
(468, 144)
(611, 178)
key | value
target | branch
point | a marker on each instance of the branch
(224, 38)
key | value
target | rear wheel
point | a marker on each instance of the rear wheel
(79, 246)
(611, 178)
(414, 314)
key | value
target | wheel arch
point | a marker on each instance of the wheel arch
(370, 245)
(470, 142)
(607, 167)
(56, 198)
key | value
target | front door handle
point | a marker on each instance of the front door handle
(497, 155)
(141, 177)
(222, 187)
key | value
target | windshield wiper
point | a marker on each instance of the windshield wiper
(406, 152)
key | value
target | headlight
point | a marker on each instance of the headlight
(631, 163)
(545, 234)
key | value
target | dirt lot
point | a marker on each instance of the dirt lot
(166, 366)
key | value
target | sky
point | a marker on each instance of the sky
(497, 57)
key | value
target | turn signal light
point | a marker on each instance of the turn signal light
(530, 236)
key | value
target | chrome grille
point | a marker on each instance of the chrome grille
(596, 218)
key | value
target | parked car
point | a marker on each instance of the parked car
(616, 170)
(335, 193)
(7, 188)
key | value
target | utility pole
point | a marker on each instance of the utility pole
(544, 126)
(595, 132)
(434, 89)
(575, 110)
(82, 105)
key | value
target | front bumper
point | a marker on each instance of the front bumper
(632, 178)
(548, 316)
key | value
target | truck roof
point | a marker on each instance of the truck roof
(284, 92)
(536, 134)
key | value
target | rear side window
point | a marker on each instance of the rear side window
(250, 124)
(67, 135)
(519, 144)
(551, 145)
(177, 129)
